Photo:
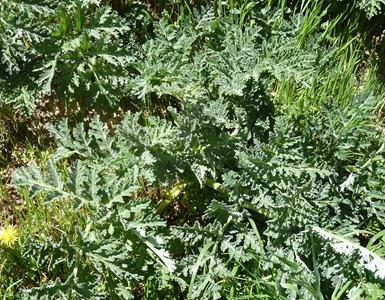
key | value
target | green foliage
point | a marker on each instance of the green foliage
(224, 185)
(371, 7)
(285, 181)
(70, 49)
(119, 243)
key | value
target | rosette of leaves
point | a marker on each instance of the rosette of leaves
(211, 56)
(72, 49)
(122, 242)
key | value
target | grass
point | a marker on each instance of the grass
(352, 63)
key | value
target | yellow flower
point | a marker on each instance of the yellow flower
(8, 235)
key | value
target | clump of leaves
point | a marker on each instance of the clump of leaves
(121, 243)
(267, 191)
(71, 49)
(285, 183)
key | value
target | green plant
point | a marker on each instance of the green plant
(71, 49)
(253, 168)
(271, 181)
(372, 7)
(111, 251)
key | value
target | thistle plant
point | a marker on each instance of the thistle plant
(237, 167)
